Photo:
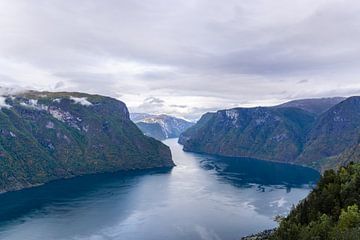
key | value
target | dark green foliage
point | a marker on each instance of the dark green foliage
(289, 134)
(46, 136)
(334, 131)
(329, 212)
(264, 133)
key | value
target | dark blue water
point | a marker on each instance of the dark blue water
(203, 197)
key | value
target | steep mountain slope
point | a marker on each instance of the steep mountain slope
(334, 131)
(279, 133)
(264, 133)
(351, 154)
(160, 126)
(46, 136)
(314, 105)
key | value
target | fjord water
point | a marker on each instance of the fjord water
(203, 197)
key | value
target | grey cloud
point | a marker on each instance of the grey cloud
(212, 54)
(303, 81)
(154, 101)
(178, 106)
(152, 105)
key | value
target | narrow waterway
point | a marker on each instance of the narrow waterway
(203, 197)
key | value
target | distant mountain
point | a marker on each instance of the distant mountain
(282, 133)
(160, 126)
(314, 105)
(46, 136)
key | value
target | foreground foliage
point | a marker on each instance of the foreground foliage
(331, 211)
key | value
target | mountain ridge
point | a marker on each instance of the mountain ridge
(46, 136)
(295, 136)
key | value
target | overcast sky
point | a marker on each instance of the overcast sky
(183, 57)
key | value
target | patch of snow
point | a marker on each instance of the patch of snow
(33, 103)
(64, 116)
(59, 115)
(3, 103)
(232, 114)
(57, 100)
(85, 128)
(263, 117)
(82, 101)
(12, 134)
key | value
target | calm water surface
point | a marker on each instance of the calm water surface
(203, 197)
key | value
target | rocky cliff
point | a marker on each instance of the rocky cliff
(46, 136)
(281, 133)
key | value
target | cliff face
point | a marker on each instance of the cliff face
(264, 133)
(334, 131)
(46, 136)
(281, 133)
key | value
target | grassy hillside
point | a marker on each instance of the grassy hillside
(280, 133)
(46, 136)
(263, 133)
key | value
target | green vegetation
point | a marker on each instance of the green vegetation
(264, 133)
(305, 132)
(46, 136)
(331, 211)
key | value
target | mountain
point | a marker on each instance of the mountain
(261, 132)
(46, 136)
(351, 154)
(281, 133)
(315, 105)
(160, 126)
(334, 131)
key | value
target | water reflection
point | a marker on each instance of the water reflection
(203, 197)
(243, 172)
(75, 190)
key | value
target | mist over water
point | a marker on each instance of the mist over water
(203, 197)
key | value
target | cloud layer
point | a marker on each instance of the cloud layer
(183, 57)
